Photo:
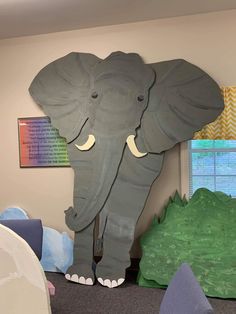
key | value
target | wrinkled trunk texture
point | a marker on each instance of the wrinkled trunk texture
(95, 172)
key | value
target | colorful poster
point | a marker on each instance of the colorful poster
(40, 145)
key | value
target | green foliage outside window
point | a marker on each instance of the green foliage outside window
(213, 165)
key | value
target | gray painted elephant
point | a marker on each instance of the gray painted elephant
(118, 116)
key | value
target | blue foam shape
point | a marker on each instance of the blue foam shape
(57, 249)
(13, 213)
(57, 254)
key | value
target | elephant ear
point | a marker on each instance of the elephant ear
(182, 100)
(62, 90)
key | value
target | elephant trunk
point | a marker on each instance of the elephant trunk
(91, 191)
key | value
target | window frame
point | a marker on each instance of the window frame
(189, 189)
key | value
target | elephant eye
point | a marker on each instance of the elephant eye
(140, 98)
(94, 95)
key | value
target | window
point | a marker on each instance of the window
(212, 165)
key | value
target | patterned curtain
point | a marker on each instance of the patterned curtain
(224, 127)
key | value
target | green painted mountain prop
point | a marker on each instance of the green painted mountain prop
(201, 232)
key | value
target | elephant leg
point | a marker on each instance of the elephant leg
(119, 234)
(124, 205)
(81, 270)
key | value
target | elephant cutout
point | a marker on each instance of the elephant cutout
(118, 115)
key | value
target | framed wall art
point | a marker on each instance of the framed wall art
(40, 145)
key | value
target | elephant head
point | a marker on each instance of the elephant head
(100, 106)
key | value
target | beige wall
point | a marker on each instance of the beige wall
(204, 40)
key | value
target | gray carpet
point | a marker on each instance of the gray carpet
(72, 298)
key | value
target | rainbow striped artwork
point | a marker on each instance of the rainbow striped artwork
(40, 145)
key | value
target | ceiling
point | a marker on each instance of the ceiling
(31, 17)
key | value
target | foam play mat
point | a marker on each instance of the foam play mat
(201, 232)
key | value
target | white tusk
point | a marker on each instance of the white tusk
(89, 143)
(133, 148)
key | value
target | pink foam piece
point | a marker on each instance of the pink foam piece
(51, 288)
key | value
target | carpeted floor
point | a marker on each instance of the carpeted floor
(72, 298)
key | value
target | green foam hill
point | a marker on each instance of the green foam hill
(200, 232)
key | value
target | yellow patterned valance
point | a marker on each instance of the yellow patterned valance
(224, 127)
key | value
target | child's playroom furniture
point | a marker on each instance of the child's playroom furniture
(31, 230)
(184, 295)
(23, 285)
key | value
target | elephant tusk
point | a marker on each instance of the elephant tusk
(89, 143)
(133, 148)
